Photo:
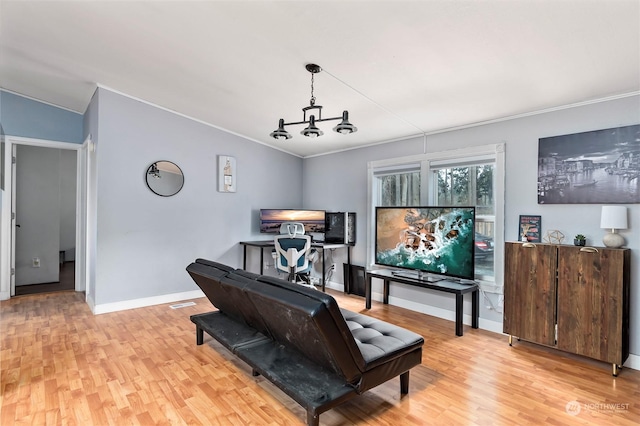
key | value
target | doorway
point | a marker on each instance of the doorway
(45, 218)
(74, 260)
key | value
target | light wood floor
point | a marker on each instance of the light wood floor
(62, 365)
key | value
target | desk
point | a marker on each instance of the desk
(447, 286)
(262, 244)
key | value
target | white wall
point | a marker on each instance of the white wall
(144, 242)
(521, 139)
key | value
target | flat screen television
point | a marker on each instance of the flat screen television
(432, 240)
(271, 219)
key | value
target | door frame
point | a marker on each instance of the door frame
(7, 235)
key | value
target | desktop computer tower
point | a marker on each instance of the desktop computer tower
(340, 228)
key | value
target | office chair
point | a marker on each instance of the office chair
(293, 253)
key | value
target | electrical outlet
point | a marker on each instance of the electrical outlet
(266, 265)
(36, 262)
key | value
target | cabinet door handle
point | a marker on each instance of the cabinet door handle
(528, 245)
(589, 250)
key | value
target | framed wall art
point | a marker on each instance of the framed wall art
(597, 167)
(226, 173)
(529, 228)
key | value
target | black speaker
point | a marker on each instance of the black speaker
(340, 228)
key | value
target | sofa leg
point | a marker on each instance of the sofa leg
(199, 335)
(254, 372)
(313, 419)
(404, 383)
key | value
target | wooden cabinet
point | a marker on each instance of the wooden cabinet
(575, 299)
(530, 292)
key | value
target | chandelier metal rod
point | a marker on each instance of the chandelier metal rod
(316, 120)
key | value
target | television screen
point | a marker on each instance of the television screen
(437, 240)
(271, 219)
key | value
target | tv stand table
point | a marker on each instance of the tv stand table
(447, 286)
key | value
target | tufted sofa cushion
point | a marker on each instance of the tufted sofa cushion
(380, 341)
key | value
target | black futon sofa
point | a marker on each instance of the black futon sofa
(300, 339)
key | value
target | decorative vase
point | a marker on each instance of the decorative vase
(579, 242)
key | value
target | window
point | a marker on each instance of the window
(398, 188)
(470, 177)
(471, 185)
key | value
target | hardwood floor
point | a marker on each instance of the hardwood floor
(62, 365)
(67, 282)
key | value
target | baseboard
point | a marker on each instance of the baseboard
(5, 295)
(633, 362)
(446, 314)
(335, 286)
(493, 326)
(146, 301)
(91, 303)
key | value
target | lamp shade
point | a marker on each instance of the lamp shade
(311, 131)
(613, 217)
(345, 127)
(280, 133)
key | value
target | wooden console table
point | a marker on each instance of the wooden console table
(459, 289)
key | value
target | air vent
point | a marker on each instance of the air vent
(182, 305)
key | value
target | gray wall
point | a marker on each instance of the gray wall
(144, 241)
(24, 117)
(521, 138)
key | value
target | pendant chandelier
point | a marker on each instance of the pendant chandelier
(311, 130)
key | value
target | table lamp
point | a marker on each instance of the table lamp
(613, 217)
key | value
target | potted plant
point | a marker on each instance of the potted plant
(579, 240)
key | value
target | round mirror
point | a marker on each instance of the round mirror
(164, 178)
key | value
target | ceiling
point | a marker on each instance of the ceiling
(401, 68)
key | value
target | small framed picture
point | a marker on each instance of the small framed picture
(226, 173)
(529, 228)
